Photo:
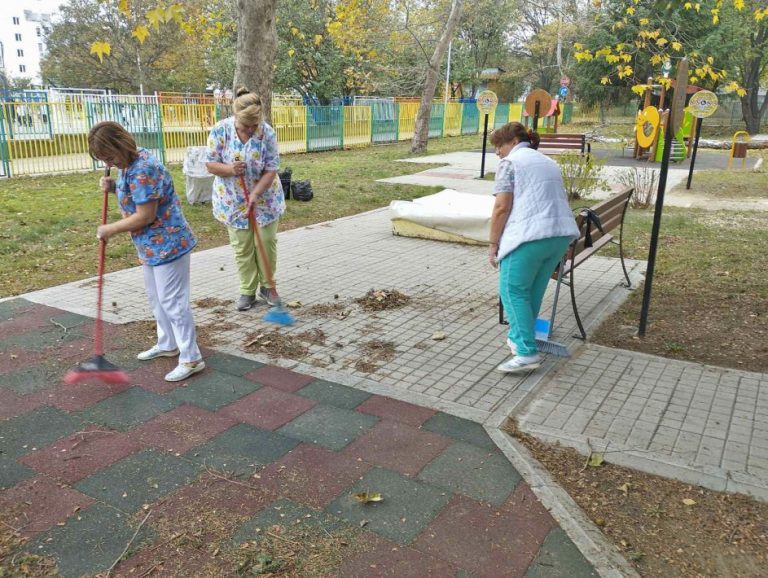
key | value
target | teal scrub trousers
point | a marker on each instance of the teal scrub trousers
(523, 277)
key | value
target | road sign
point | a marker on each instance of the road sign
(702, 104)
(563, 92)
(487, 101)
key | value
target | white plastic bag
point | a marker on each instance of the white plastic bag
(198, 180)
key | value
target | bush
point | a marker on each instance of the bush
(581, 174)
(645, 181)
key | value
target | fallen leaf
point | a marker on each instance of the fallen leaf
(293, 304)
(439, 335)
(367, 497)
(624, 488)
(689, 502)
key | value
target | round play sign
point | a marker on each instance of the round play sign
(542, 97)
(487, 101)
(702, 104)
(647, 123)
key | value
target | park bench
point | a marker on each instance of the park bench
(596, 224)
(555, 143)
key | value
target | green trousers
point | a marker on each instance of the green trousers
(250, 266)
(523, 277)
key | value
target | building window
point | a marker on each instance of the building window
(19, 52)
(18, 37)
(22, 68)
(40, 48)
(37, 30)
(16, 20)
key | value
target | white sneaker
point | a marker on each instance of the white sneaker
(519, 364)
(185, 370)
(512, 346)
(154, 352)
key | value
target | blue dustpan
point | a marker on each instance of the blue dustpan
(279, 316)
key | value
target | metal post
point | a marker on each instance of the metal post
(448, 73)
(485, 136)
(693, 155)
(536, 115)
(656, 227)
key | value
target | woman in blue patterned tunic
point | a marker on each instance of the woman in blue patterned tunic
(152, 215)
(244, 148)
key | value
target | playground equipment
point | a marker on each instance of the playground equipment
(651, 124)
(540, 105)
(739, 148)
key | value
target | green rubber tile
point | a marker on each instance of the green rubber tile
(43, 338)
(128, 409)
(478, 473)
(241, 449)
(334, 394)
(141, 478)
(459, 429)
(331, 427)
(231, 364)
(32, 378)
(73, 321)
(12, 472)
(10, 309)
(560, 558)
(36, 429)
(89, 542)
(406, 510)
(285, 512)
(213, 390)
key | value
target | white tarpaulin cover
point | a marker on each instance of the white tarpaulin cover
(199, 181)
(447, 216)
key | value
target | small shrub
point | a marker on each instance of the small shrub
(645, 181)
(581, 174)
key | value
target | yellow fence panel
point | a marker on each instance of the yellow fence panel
(357, 126)
(290, 123)
(45, 138)
(185, 125)
(407, 120)
(515, 111)
(452, 119)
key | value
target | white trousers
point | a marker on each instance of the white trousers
(168, 291)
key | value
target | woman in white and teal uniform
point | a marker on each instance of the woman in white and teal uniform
(244, 148)
(531, 228)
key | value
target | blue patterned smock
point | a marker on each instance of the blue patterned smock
(168, 237)
(260, 154)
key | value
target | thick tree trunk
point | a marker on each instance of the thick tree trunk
(256, 48)
(421, 134)
(754, 69)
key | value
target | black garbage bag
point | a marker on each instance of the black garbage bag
(302, 190)
(285, 181)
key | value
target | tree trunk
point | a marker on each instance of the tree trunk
(421, 133)
(256, 48)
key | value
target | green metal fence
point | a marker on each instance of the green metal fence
(384, 122)
(325, 128)
(436, 114)
(470, 119)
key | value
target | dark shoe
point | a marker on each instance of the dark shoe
(245, 302)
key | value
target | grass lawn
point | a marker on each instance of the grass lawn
(709, 290)
(49, 223)
(733, 184)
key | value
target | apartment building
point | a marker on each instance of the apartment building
(23, 26)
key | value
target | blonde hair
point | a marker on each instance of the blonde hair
(109, 138)
(248, 107)
(512, 131)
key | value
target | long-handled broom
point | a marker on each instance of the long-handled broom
(277, 313)
(97, 367)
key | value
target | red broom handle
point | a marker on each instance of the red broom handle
(259, 242)
(98, 334)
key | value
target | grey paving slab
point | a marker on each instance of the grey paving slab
(683, 420)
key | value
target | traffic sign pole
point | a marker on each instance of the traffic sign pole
(485, 137)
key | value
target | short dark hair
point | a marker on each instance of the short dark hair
(512, 131)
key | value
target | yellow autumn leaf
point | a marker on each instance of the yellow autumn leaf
(140, 33)
(639, 89)
(626, 57)
(697, 6)
(656, 59)
(101, 49)
(738, 4)
(710, 60)
(619, 47)
(174, 12)
(605, 80)
(687, 5)
(693, 80)
(715, 19)
(741, 92)
(661, 41)
(124, 6)
(578, 46)
(294, 30)
(644, 22)
(367, 497)
(291, 52)
(630, 10)
(676, 46)
(156, 17)
(318, 39)
(689, 502)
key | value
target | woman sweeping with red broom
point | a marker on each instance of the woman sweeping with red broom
(152, 215)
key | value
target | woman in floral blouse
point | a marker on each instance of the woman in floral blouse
(152, 215)
(246, 146)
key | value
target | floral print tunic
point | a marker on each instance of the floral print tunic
(168, 237)
(260, 154)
